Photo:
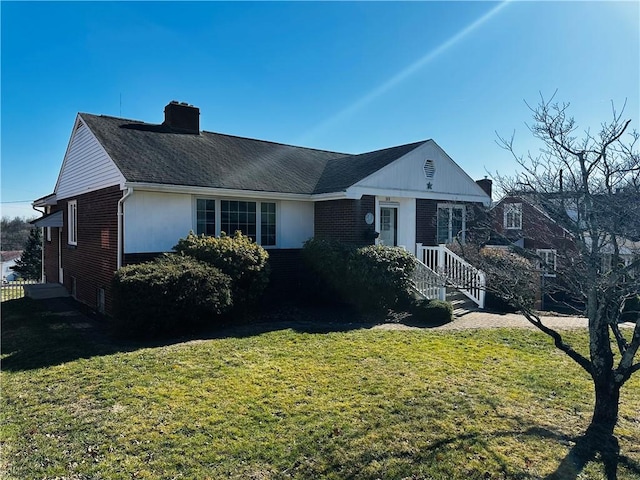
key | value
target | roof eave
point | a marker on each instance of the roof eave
(230, 192)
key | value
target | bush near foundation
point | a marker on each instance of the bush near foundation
(434, 312)
(170, 295)
(237, 256)
(369, 278)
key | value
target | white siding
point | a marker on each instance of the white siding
(295, 223)
(154, 222)
(86, 166)
(406, 178)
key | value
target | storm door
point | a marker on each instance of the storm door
(388, 226)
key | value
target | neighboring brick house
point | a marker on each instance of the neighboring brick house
(129, 190)
(518, 221)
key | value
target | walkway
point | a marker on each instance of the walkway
(481, 319)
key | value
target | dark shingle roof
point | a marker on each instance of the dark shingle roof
(154, 154)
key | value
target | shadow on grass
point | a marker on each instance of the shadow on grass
(583, 452)
(42, 333)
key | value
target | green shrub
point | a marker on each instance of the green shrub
(169, 295)
(379, 276)
(370, 278)
(432, 311)
(237, 256)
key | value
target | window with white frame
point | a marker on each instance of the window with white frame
(256, 220)
(450, 223)
(267, 224)
(513, 216)
(205, 216)
(72, 232)
(546, 262)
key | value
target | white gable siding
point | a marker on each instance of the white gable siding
(406, 178)
(86, 166)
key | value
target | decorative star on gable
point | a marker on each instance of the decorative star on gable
(429, 186)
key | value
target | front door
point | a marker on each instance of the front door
(388, 226)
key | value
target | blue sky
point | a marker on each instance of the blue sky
(349, 77)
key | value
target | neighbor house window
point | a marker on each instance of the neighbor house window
(72, 209)
(450, 223)
(513, 216)
(546, 262)
(267, 224)
(205, 216)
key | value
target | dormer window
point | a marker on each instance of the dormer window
(513, 216)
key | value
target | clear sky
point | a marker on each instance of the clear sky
(348, 77)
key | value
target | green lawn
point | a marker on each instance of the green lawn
(360, 404)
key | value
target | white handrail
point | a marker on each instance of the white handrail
(457, 271)
(427, 282)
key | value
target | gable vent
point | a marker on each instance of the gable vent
(80, 125)
(429, 168)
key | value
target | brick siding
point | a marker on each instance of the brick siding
(426, 221)
(343, 220)
(93, 261)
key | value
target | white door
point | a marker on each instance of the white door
(388, 226)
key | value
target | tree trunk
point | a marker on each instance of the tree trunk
(605, 412)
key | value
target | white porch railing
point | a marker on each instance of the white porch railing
(457, 272)
(428, 283)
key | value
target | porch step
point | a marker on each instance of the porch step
(40, 291)
(460, 302)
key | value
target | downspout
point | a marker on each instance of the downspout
(121, 227)
(42, 236)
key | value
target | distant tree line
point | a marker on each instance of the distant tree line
(14, 233)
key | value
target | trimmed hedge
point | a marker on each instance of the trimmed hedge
(239, 257)
(369, 278)
(169, 295)
(432, 311)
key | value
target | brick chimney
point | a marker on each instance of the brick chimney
(182, 117)
(486, 185)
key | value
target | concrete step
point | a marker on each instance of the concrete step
(460, 302)
(40, 291)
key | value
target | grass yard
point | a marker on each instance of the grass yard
(360, 404)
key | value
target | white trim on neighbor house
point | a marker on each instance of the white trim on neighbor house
(86, 166)
(512, 216)
(547, 261)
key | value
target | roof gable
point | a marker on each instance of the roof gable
(86, 165)
(426, 171)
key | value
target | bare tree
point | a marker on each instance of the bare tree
(589, 183)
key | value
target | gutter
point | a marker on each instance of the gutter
(121, 227)
(229, 192)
